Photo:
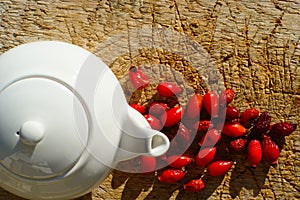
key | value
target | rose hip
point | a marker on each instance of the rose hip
(148, 164)
(158, 108)
(263, 123)
(194, 106)
(219, 168)
(271, 151)
(212, 137)
(168, 89)
(153, 121)
(194, 185)
(254, 152)
(172, 116)
(226, 96)
(171, 175)
(238, 144)
(179, 161)
(231, 113)
(282, 129)
(205, 156)
(138, 78)
(141, 109)
(202, 126)
(249, 116)
(233, 129)
(211, 103)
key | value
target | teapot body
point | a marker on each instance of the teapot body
(46, 82)
(65, 122)
(86, 174)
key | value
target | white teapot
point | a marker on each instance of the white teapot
(65, 122)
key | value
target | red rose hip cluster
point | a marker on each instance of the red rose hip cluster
(213, 118)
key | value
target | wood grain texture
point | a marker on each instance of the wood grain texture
(253, 45)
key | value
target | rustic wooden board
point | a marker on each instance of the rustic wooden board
(253, 45)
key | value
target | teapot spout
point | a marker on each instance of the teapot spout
(139, 139)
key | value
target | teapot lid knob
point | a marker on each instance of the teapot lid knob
(31, 132)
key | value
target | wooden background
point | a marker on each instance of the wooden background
(254, 45)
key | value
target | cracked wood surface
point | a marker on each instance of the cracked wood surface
(253, 45)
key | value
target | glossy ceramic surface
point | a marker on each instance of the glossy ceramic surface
(64, 122)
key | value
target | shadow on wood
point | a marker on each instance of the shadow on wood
(240, 177)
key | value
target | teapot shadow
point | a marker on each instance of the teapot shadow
(245, 176)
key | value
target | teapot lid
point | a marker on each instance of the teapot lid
(43, 125)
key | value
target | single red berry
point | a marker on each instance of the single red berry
(158, 108)
(249, 116)
(138, 78)
(141, 109)
(212, 137)
(263, 122)
(238, 144)
(232, 113)
(211, 103)
(282, 129)
(202, 126)
(194, 185)
(219, 168)
(172, 116)
(205, 156)
(184, 133)
(254, 152)
(271, 151)
(153, 121)
(233, 129)
(171, 175)
(168, 89)
(148, 164)
(194, 106)
(226, 96)
(176, 161)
